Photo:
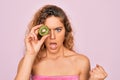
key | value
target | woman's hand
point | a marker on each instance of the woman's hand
(98, 73)
(33, 45)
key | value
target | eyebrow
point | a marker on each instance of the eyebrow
(58, 27)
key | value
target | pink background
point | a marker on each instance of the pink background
(96, 25)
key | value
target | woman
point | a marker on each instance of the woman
(52, 57)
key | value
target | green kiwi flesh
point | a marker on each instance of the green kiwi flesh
(43, 30)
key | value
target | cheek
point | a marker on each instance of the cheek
(61, 37)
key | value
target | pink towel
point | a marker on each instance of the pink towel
(55, 77)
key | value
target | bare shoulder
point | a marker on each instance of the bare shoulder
(81, 60)
(79, 57)
(82, 63)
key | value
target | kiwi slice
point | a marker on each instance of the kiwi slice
(43, 30)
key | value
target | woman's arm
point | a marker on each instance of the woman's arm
(85, 71)
(33, 46)
(84, 65)
(25, 67)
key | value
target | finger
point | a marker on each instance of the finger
(31, 36)
(91, 74)
(36, 31)
(97, 73)
(101, 69)
(35, 36)
(28, 38)
(95, 70)
(35, 28)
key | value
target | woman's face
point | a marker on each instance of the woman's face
(57, 34)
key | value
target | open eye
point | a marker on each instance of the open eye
(58, 29)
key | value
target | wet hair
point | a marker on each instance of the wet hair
(52, 10)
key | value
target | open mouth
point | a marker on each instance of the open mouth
(53, 45)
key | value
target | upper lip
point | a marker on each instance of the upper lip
(53, 43)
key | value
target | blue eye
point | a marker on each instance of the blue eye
(58, 29)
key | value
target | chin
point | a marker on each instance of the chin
(53, 51)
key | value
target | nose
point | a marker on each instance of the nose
(52, 34)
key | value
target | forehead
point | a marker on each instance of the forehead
(53, 22)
